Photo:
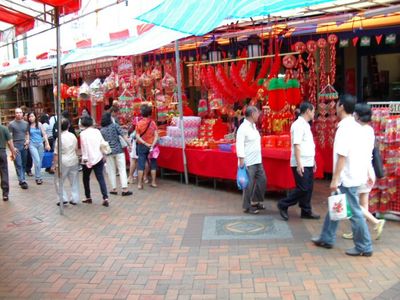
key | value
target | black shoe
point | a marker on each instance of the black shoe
(258, 206)
(114, 193)
(23, 185)
(251, 210)
(311, 216)
(317, 242)
(87, 201)
(283, 213)
(355, 252)
(105, 203)
(5, 198)
(65, 203)
(39, 181)
(29, 173)
(72, 203)
(127, 193)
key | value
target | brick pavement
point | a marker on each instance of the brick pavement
(149, 246)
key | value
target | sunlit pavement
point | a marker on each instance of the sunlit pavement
(180, 242)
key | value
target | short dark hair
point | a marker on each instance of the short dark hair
(304, 106)
(65, 114)
(86, 121)
(145, 110)
(44, 119)
(348, 102)
(64, 124)
(106, 119)
(107, 107)
(250, 110)
(364, 112)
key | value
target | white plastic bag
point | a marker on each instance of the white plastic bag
(338, 207)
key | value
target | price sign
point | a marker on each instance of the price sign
(394, 108)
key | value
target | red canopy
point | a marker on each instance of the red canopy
(22, 22)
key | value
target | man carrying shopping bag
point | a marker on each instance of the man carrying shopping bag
(248, 148)
(349, 173)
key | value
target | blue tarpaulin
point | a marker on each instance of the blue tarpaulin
(198, 17)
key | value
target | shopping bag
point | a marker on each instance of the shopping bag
(242, 178)
(339, 209)
(47, 159)
(377, 163)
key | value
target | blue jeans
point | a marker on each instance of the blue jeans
(361, 236)
(37, 151)
(143, 154)
(20, 162)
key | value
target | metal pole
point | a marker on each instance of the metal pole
(58, 112)
(179, 81)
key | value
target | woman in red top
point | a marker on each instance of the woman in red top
(146, 137)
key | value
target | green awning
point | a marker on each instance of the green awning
(7, 82)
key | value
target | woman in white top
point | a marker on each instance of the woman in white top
(363, 115)
(69, 161)
(92, 158)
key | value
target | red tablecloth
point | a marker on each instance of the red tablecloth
(223, 165)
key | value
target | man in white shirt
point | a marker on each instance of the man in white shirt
(350, 172)
(248, 148)
(302, 162)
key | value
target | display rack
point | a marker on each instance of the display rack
(385, 197)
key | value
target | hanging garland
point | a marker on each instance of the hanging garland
(321, 43)
(226, 83)
(332, 40)
(289, 61)
(312, 75)
(301, 48)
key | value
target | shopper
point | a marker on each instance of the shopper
(132, 178)
(363, 115)
(116, 160)
(20, 136)
(65, 114)
(146, 138)
(85, 112)
(29, 161)
(303, 166)
(350, 172)
(248, 148)
(70, 163)
(92, 159)
(44, 119)
(37, 135)
(5, 140)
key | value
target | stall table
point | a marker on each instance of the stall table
(223, 165)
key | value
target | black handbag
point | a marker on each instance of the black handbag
(377, 163)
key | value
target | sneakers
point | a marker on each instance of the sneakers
(251, 210)
(379, 228)
(355, 252)
(23, 185)
(347, 235)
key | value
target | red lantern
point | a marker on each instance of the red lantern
(293, 93)
(276, 94)
(64, 91)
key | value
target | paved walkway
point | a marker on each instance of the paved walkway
(180, 242)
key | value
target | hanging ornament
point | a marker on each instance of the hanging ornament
(293, 94)
(378, 38)
(289, 62)
(301, 48)
(321, 43)
(355, 41)
(332, 40)
(312, 75)
(276, 94)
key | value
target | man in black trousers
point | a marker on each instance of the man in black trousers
(303, 165)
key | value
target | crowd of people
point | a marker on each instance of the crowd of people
(102, 148)
(353, 174)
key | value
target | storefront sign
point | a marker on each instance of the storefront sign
(344, 43)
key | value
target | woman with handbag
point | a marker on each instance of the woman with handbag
(37, 135)
(92, 147)
(363, 115)
(146, 138)
(113, 134)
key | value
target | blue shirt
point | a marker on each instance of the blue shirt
(35, 135)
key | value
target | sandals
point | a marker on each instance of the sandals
(154, 186)
(140, 187)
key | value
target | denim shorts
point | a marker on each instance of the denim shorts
(143, 154)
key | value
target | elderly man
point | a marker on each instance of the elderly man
(20, 135)
(248, 148)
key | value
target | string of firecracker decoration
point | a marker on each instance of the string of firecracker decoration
(321, 43)
(312, 75)
(332, 40)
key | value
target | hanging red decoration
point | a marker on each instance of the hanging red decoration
(289, 61)
(321, 43)
(226, 83)
(276, 94)
(301, 48)
(378, 38)
(332, 40)
(355, 41)
(293, 94)
(312, 75)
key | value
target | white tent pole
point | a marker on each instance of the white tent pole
(58, 111)
(180, 107)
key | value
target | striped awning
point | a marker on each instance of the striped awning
(198, 17)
